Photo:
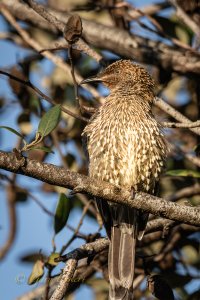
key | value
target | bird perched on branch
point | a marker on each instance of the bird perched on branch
(126, 147)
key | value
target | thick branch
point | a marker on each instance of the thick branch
(81, 183)
(117, 40)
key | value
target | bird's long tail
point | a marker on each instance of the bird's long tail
(121, 259)
(124, 226)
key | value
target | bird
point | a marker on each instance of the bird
(126, 147)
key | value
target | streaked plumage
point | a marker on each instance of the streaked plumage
(127, 148)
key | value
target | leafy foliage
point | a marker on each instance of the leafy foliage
(49, 121)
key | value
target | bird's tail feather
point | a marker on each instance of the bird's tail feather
(121, 260)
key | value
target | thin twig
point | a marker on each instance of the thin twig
(174, 113)
(74, 77)
(161, 32)
(66, 279)
(159, 224)
(47, 283)
(57, 145)
(176, 234)
(85, 250)
(82, 273)
(36, 46)
(83, 199)
(195, 160)
(150, 9)
(61, 26)
(137, 281)
(51, 214)
(85, 209)
(15, 38)
(181, 125)
(191, 157)
(185, 18)
(72, 33)
(42, 95)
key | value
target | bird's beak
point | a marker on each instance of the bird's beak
(91, 79)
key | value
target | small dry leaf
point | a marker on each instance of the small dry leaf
(51, 258)
(37, 272)
(73, 29)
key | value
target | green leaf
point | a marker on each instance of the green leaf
(62, 212)
(49, 120)
(13, 131)
(37, 272)
(184, 173)
(51, 259)
(45, 149)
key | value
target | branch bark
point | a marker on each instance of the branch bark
(185, 18)
(82, 184)
(66, 278)
(174, 113)
(116, 40)
(181, 125)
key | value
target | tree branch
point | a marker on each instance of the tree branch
(82, 273)
(81, 45)
(181, 125)
(174, 113)
(83, 184)
(42, 95)
(72, 261)
(185, 18)
(66, 278)
(37, 47)
(117, 40)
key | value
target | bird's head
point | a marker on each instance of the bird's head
(124, 74)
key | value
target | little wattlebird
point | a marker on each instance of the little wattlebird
(126, 147)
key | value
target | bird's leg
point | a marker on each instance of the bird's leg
(133, 192)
